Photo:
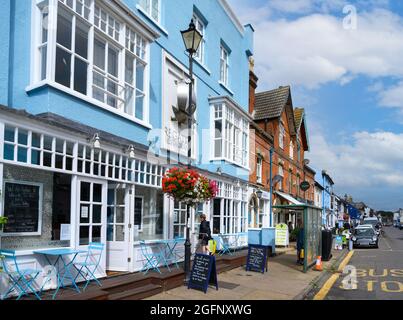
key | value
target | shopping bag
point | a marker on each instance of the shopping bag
(212, 246)
(301, 255)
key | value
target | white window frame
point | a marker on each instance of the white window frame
(201, 27)
(224, 66)
(292, 150)
(259, 169)
(40, 209)
(153, 173)
(281, 135)
(147, 7)
(36, 67)
(234, 135)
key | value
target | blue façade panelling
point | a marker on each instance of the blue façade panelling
(176, 15)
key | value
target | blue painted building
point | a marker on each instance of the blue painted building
(87, 123)
(329, 216)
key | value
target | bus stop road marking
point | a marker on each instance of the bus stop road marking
(321, 295)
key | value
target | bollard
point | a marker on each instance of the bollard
(350, 245)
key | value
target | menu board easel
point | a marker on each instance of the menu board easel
(203, 272)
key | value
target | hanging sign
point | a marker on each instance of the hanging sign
(257, 258)
(304, 185)
(282, 235)
(203, 272)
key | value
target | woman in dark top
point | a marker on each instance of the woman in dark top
(204, 233)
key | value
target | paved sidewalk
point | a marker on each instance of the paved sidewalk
(283, 281)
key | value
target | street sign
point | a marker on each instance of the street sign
(304, 185)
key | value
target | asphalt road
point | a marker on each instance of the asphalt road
(373, 274)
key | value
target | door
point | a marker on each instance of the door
(91, 214)
(118, 221)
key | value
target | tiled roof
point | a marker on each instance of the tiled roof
(270, 104)
(298, 114)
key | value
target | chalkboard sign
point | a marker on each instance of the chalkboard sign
(22, 206)
(203, 272)
(256, 258)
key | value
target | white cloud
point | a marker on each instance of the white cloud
(372, 160)
(392, 97)
(315, 49)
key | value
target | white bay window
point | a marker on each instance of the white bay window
(86, 49)
(230, 136)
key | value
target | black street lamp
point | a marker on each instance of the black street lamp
(192, 39)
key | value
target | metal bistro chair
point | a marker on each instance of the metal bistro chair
(225, 244)
(153, 259)
(21, 279)
(89, 266)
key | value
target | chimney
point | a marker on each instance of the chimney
(252, 86)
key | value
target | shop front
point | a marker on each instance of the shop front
(59, 189)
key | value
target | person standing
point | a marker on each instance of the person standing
(204, 233)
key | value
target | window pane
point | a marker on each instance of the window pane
(8, 152)
(129, 72)
(63, 67)
(22, 137)
(129, 100)
(36, 140)
(64, 28)
(99, 54)
(113, 62)
(9, 134)
(140, 107)
(59, 162)
(140, 76)
(36, 157)
(85, 191)
(80, 76)
(96, 234)
(84, 235)
(120, 234)
(44, 54)
(109, 233)
(120, 215)
(96, 213)
(82, 40)
(22, 154)
(97, 192)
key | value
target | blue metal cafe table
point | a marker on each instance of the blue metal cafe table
(63, 267)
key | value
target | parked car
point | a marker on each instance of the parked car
(365, 236)
(374, 222)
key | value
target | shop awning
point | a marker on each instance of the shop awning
(289, 198)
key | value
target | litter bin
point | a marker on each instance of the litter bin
(327, 241)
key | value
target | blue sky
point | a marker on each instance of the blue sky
(344, 61)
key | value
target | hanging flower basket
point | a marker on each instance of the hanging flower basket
(188, 186)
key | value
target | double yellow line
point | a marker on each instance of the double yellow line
(331, 281)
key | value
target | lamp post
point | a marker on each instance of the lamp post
(191, 38)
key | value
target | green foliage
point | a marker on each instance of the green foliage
(294, 234)
(3, 220)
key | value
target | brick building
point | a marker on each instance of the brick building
(274, 115)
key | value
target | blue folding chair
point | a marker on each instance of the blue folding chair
(21, 279)
(225, 244)
(89, 266)
(153, 259)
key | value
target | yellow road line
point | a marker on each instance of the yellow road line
(321, 295)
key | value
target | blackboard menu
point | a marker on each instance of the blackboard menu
(256, 258)
(21, 207)
(203, 272)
